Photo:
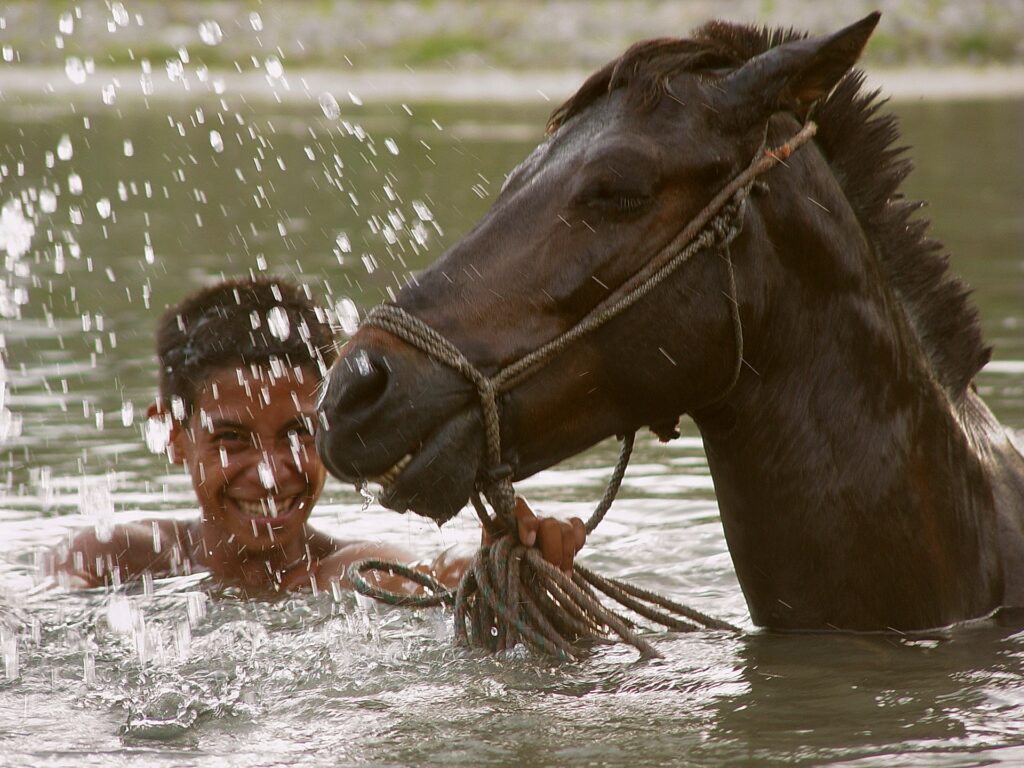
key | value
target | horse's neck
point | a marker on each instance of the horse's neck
(850, 496)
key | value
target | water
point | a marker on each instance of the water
(350, 198)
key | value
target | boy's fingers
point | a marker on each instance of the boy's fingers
(579, 532)
(550, 541)
(526, 522)
(568, 546)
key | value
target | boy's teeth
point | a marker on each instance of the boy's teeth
(265, 507)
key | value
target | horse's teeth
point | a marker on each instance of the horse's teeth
(389, 475)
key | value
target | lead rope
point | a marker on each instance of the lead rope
(510, 594)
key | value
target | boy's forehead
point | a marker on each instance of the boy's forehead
(246, 386)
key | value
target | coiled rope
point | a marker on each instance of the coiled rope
(510, 594)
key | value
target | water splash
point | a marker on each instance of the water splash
(75, 70)
(278, 323)
(157, 433)
(16, 232)
(65, 150)
(330, 106)
(96, 502)
(210, 32)
(274, 68)
(266, 474)
(119, 14)
(348, 316)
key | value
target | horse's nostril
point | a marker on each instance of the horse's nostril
(362, 385)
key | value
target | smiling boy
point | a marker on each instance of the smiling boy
(241, 364)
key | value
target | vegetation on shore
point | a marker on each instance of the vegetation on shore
(436, 34)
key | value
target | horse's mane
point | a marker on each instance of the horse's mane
(858, 142)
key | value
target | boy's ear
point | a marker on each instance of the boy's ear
(175, 452)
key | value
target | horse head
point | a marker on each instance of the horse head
(632, 157)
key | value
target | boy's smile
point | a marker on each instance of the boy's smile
(248, 446)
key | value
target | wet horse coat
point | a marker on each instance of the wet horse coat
(861, 481)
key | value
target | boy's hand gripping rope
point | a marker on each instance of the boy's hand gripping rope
(510, 594)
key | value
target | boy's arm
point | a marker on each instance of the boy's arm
(133, 548)
(557, 540)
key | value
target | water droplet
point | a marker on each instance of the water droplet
(210, 32)
(256, 21)
(64, 148)
(127, 413)
(348, 316)
(266, 474)
(278, 323)
(330, 106)
(75, 70)
(10, 654)
(148, 253)
(274, 67)
(355, 99)
(75, 215)
(109, 94)
(120, 14)
(391, 145)
(129, 148)
(216, 141)
(8, 51)
(344, 244)
(103, 207)
(363, 363)
(175, 70)
(74, 184)
(66, 25)
(47, 201)
(157, 433)
(96, 501)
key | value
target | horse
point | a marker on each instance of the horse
(826, 353)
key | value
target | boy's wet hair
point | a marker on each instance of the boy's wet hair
(239, 322)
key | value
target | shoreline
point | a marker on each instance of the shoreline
(33, 84)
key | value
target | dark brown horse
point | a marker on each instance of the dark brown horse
(862, 482)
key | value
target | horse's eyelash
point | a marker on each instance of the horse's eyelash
(630, 203)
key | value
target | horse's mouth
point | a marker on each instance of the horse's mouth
(433, 478)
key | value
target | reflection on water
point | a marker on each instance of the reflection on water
(111, 213)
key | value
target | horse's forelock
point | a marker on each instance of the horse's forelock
(644, 69)
(647, 66)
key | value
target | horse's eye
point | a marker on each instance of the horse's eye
(612, 201)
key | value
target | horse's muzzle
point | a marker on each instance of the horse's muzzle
(391, 415)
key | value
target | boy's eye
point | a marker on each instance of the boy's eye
(229, 436)
(302, 428)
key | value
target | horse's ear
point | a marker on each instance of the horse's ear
(794, 75)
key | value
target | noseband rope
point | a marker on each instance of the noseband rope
(510, 594)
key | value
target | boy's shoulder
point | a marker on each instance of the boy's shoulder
(162, 547)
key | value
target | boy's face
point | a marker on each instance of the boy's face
(248, 447)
